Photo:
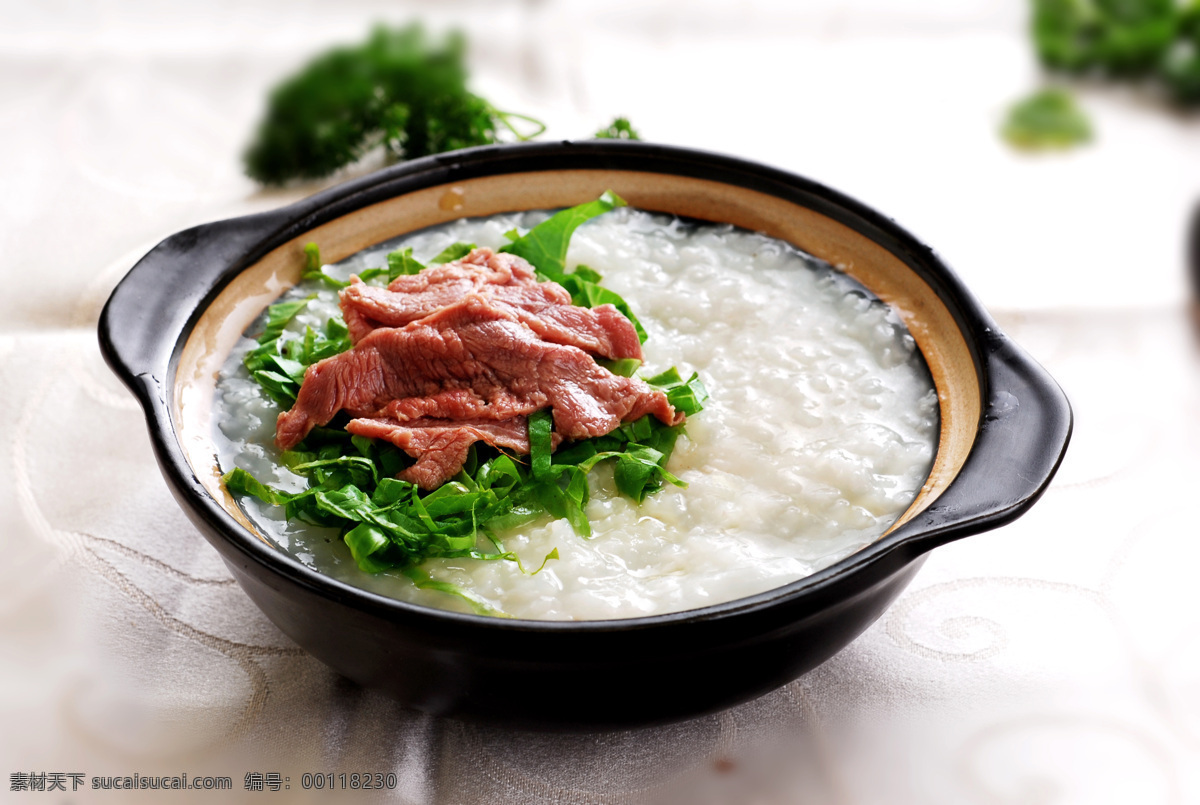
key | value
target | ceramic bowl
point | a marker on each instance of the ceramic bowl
(1005, 425)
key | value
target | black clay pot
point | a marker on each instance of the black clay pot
(1005, 427)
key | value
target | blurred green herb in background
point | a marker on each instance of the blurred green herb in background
(1152, 40)
(400, 90)
(619, 129)
(1155, 43)
(1116, 37)
(1180, 67)
(1048, 119)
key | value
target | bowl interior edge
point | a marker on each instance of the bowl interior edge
(927, 317)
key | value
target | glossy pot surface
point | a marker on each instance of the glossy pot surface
(1005, 426)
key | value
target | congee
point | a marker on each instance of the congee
(802, 422)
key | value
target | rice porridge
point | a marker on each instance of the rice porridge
(820, 430)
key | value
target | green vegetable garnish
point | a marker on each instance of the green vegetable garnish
(400, 90)
(402, 263)
(584, 286)
(687, 396)
(625, 367)
(390, 524)
(545, 246)
(619, 129)
(278, 364)
(1049, 118)
(455, 251)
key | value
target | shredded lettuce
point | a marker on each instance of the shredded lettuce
(455, 251)
(278, 363)
(389, 523)
(424, 581)
(399, 262)
(545, 246)
(687, 396)
(625, 367)
(402, 263)
(584, 286)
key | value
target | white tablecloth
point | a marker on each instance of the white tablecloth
(1052, 661)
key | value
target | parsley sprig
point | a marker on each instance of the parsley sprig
(401, 90)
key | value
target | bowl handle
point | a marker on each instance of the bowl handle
(1023, 434)
(166, 288)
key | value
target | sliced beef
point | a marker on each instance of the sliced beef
(480, 267)
(415, 296)
(507, 280)
(440, 445)
(472, 359)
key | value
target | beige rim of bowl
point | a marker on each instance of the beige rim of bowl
(926, 316)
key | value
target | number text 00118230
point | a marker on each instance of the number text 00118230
(341, 782)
